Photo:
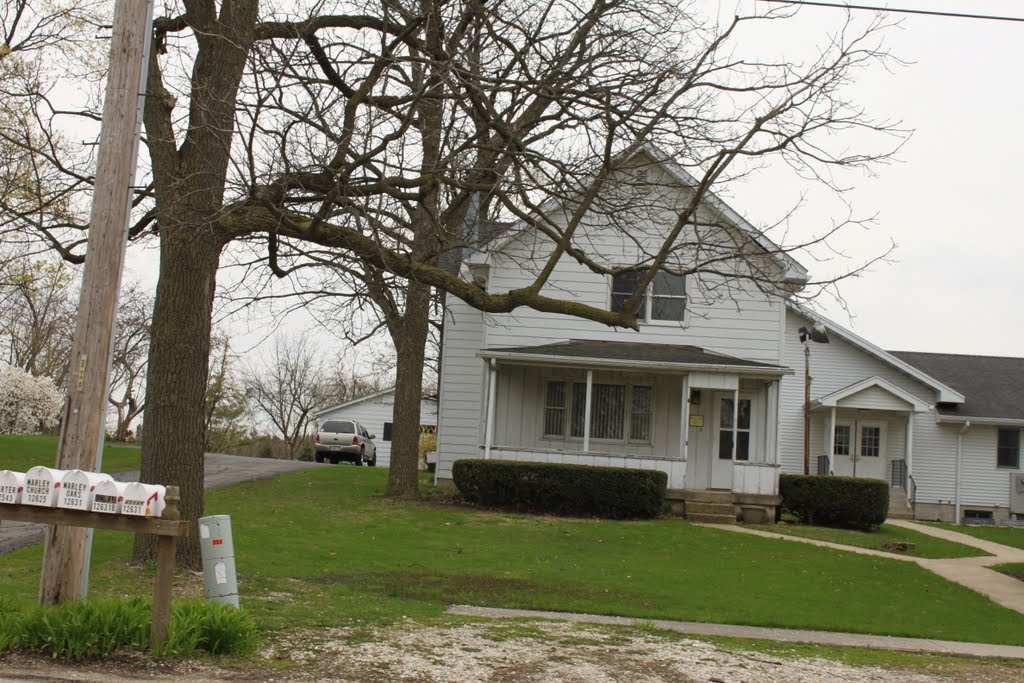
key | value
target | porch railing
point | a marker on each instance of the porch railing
(898, 474)
(824, 465)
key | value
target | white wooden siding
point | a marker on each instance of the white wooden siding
(874, 398)
(374, 412)
(981, 482)
(461, 391)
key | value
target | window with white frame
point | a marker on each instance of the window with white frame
(742, 430)
(1008, 448)
(618, 412)
(664, 299)
(841, 444)
(870, 442)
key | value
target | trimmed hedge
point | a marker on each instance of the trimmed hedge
(612, 492)
(835, 501)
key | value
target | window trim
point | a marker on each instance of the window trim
(999, 448)
(648, 301)
(627, 413)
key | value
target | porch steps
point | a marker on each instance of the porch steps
(710, 507)
(899, 506)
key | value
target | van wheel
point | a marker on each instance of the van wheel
(319, 457)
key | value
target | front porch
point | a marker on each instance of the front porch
(708, 421)
(867, 430)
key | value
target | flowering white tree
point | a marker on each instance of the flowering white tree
(28, 405)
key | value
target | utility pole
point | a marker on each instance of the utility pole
(82, 427)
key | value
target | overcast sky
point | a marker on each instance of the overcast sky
(956, 280)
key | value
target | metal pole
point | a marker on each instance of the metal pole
(807, 408)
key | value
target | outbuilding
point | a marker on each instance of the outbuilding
(376, 413)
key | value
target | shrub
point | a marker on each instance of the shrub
(835, 501)
(28, 405)
(100, 627)
(612, 492)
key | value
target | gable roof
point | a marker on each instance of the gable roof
(792, 270)
(945, 393)
(581, 352)
(363, 399)
(993, 386)
(833, 399)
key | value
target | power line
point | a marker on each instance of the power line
(898, 10)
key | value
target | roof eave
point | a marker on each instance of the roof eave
(591, 362)
(979, 420)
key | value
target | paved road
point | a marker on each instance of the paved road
(220, 470)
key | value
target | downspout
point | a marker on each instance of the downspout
(959, 458)
(492, 390)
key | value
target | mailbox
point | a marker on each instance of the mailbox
(11, 486)
(108, 497)
(143, 500)
(41, 485)
(77, 487)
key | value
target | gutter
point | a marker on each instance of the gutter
(959, 459)
(969, 420)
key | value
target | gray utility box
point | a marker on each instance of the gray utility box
(1017, 493)
(218, 550)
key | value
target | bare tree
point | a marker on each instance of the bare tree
(290, 388)
(130, 357)
(396, 136)
(37, 316)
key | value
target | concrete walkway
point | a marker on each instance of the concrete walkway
(828, 638)
(970, 572)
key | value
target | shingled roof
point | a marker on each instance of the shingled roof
(586, 351)
(993, 386)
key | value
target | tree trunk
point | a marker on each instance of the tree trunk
(174, 435)
(410, 344)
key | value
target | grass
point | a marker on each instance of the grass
(923, 545)
(1007, 535)
(21, 453)
(1014, 569)
(319, 549)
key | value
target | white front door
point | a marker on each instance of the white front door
(723, 451)
(860, 449)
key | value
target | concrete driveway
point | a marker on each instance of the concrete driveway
(220, 470)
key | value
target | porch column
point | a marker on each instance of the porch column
(735, 419)
(492, 390)
(832, 442)
(684, 419)
(908, 449)
(771, 441)
(586, 417)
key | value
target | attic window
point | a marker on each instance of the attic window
(641, 182)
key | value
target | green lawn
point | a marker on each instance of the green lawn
(20, 453)
(923, 544)
(1007, 535)
(318, 549)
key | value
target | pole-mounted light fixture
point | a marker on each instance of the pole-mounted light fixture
(818, 334)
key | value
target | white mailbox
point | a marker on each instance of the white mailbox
(77, 487)
(11, 486)
(143, 500)
(41, 486)
(108, 497)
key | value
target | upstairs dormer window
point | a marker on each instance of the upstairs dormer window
(664, 300)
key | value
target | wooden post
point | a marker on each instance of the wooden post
(85, 408)
(164, 575)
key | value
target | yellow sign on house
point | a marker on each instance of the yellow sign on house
(696, 420)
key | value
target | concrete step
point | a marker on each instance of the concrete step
(724, 497)
(899, 514)
(705, 518)
(695, 507)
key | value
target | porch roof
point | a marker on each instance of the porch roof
(633, 355)
(904, 399)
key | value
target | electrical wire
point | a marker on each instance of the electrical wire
(900, 10)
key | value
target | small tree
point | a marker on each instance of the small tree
(28, 405)
(131, 354)
(226, 411)
(289, 391)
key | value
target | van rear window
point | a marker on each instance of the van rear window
(338, 427)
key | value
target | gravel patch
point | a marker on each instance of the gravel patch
(509, 652)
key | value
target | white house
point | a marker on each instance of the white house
(710, 390)
(376, 413)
